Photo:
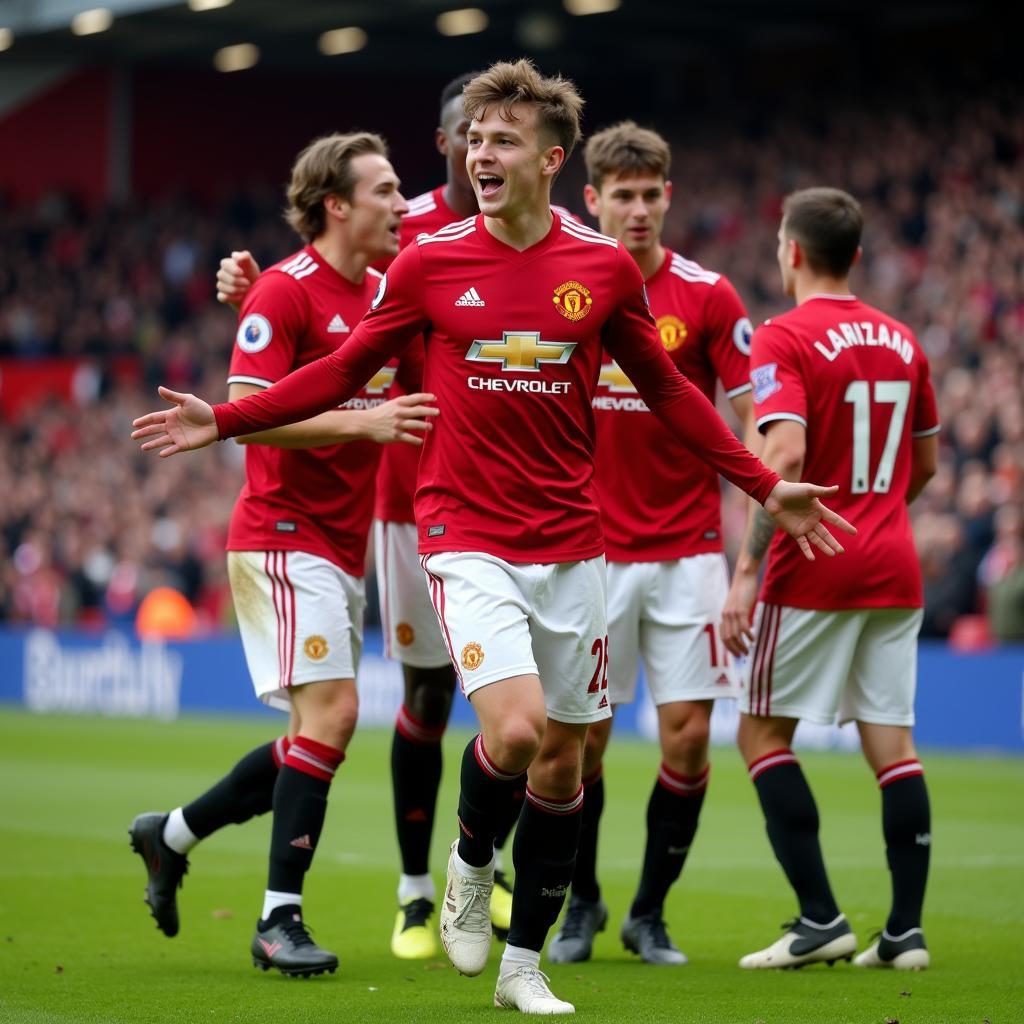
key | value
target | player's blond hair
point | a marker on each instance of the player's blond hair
(324, 168)
(827, 224)
(626, 148)
(558, 104)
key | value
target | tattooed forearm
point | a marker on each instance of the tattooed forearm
(761, 534)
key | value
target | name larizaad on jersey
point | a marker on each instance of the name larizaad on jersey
(865, 333)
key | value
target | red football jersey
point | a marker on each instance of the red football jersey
(399, 463)
(858, 380)
(658, 500)
(513, 353)
(317, 500)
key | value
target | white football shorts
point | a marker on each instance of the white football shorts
(827, 666)
(301, 620)
(668, 613)
(501, 619)
(408, 620)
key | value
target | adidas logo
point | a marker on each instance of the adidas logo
(302, 843)
(470, 298)
(923, 839)
(338, 326)
(603, 703)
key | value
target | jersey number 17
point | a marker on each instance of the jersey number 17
(886, 392)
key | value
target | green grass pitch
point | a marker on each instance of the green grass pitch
(77, 945)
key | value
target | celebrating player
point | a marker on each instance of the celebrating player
(509, 530)
(297, 540)
(840, 389)
(667, 576)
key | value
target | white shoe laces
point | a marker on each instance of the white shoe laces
(534, 980)
(474, 914)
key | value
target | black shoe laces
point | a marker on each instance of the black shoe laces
(417, 912)
(297, 931)
(654, 924)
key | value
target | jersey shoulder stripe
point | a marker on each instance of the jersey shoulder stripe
(693, 272)
(302, 266)
(450, 233)
(422, 205)
(592, 237)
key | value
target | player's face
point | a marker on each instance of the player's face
(784, 256)
(377, 207)
(451, 141)
(510, 164)
(631, 207)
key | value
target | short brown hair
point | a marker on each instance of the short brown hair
(827, 224)
(556, 100)
(324, 168)
(626, 148)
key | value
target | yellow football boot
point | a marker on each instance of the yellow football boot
(414, 938)
(501, 906)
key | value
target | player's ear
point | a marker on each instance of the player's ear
(668, 193)
(441, 140)
(592, 200)
(795, 253)
(856, 256)
(336, 207)
(553, 160)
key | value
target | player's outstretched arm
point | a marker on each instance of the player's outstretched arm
(235, 276)
(188, 425)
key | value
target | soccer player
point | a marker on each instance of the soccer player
(667, 575)
(412, 635)
(297, 540)
(840, 390)
(509, 531)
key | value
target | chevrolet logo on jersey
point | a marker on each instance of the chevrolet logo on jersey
(381, 380)
(614, 379)
(521, 351)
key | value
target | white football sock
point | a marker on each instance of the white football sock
(177, 835)
(416, 887)
(515, 956)
(471, 870)
(272, 900)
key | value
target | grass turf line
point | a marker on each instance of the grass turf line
(77, 944)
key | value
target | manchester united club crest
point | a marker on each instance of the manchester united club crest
(404, 634)
(472, 657)
(315, 648)
(673, 332)
(572, 300)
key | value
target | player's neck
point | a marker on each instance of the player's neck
(350, 263)
(523, 230)
(650, 260)
(806, 287)
(461, 200)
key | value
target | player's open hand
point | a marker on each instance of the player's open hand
(796, 509)
(406, 418)
(737, 630)
(236, 276)
(189, 424)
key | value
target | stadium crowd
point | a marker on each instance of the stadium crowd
(89, 525)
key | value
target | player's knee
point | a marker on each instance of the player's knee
(556, 772)
(686, 743)
(514, 742)
(429, 694)
(330, 712)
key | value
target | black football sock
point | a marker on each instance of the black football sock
(510, 816)
(672, 815)
(247, 790)
(415, 779)
(584, 876)
(544, 853)
(300, 804)
(791, 819)
(484, 800)
(907, 827)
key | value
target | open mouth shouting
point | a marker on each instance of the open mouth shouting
(489, 185)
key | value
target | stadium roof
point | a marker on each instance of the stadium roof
(403, 34)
